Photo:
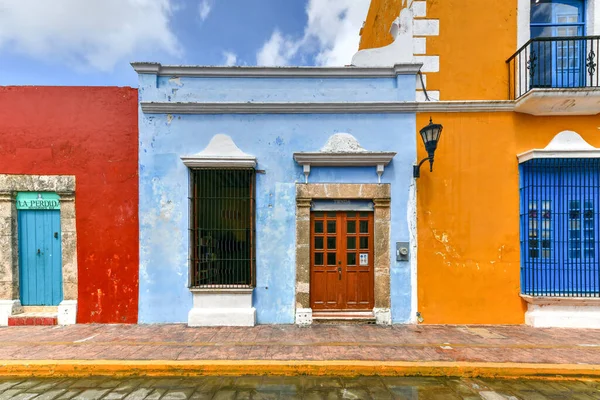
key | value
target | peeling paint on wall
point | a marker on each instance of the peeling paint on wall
(89, 132)
(272, 139)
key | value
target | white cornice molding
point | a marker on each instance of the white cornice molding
(358, 159)
(567, 144)
(326, 108)
(276, 72)
(218, 162)
(220, 152)
(343, 150)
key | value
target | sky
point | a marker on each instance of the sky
(92, 42)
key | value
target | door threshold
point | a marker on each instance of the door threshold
(40, 309)
(344, 316)
(35, 315)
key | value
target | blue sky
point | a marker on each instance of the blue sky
(91, 42)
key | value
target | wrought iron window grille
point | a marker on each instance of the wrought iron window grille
(560, 225)
(222, 228)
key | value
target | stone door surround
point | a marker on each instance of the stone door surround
(381, 196)
(64, 186)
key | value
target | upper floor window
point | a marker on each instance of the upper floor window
(551, 18)
(559, 62)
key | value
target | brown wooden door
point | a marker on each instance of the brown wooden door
(341, 261)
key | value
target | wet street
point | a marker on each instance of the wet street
(223, 388)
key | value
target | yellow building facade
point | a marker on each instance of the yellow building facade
(507, 225)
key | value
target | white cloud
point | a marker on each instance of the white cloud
(230, 58)
(331, 33)
(278, 50)
(204, 9)
(86, 34)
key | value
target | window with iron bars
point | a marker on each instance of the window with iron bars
(560, 227)
(222, 228)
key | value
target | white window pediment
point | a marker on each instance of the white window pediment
(567, 144)
(343, 150)
(220, 152)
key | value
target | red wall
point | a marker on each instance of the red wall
(89, 132)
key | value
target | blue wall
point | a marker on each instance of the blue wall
(164, 293)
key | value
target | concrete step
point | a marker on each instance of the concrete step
(33, 318)
(40, 309)
(343, 317)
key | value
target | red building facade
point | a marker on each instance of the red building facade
(88, 134)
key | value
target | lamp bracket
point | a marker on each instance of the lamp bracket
(417, 168)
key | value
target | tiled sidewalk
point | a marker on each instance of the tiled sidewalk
(501, 344)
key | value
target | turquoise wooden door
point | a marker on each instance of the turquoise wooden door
(40, 257)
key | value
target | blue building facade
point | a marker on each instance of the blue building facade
(231, 161)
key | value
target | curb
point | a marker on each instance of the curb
(346, 368)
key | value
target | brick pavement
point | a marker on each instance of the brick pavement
(492, 344)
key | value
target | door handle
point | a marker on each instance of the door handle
(339, 273)
(55, 235)
(38, 251)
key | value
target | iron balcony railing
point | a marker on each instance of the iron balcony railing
(554, 62)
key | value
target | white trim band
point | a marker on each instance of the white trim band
(366, 159)
(327, 108)
(276, 72)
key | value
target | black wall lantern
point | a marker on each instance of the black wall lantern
(430, 135)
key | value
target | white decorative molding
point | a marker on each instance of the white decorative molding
(427, 27)
(343, 150)
(328, 108)
(67, 312)
(560, 101)
(434, 95)
(409, 32)
(567, 144)
(342, 143)
(367, 159)
(220, 152)
(419, 9)
(222, 307)
(389, 71)
(430, 63)
(304, 316)
(399, 51)
(419, 46)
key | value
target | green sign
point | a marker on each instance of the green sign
(38, 201)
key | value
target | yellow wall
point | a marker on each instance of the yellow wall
(476, 38)
(468, 208)
(468, 214)
(376, 30)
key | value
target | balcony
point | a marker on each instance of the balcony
(556, 76)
